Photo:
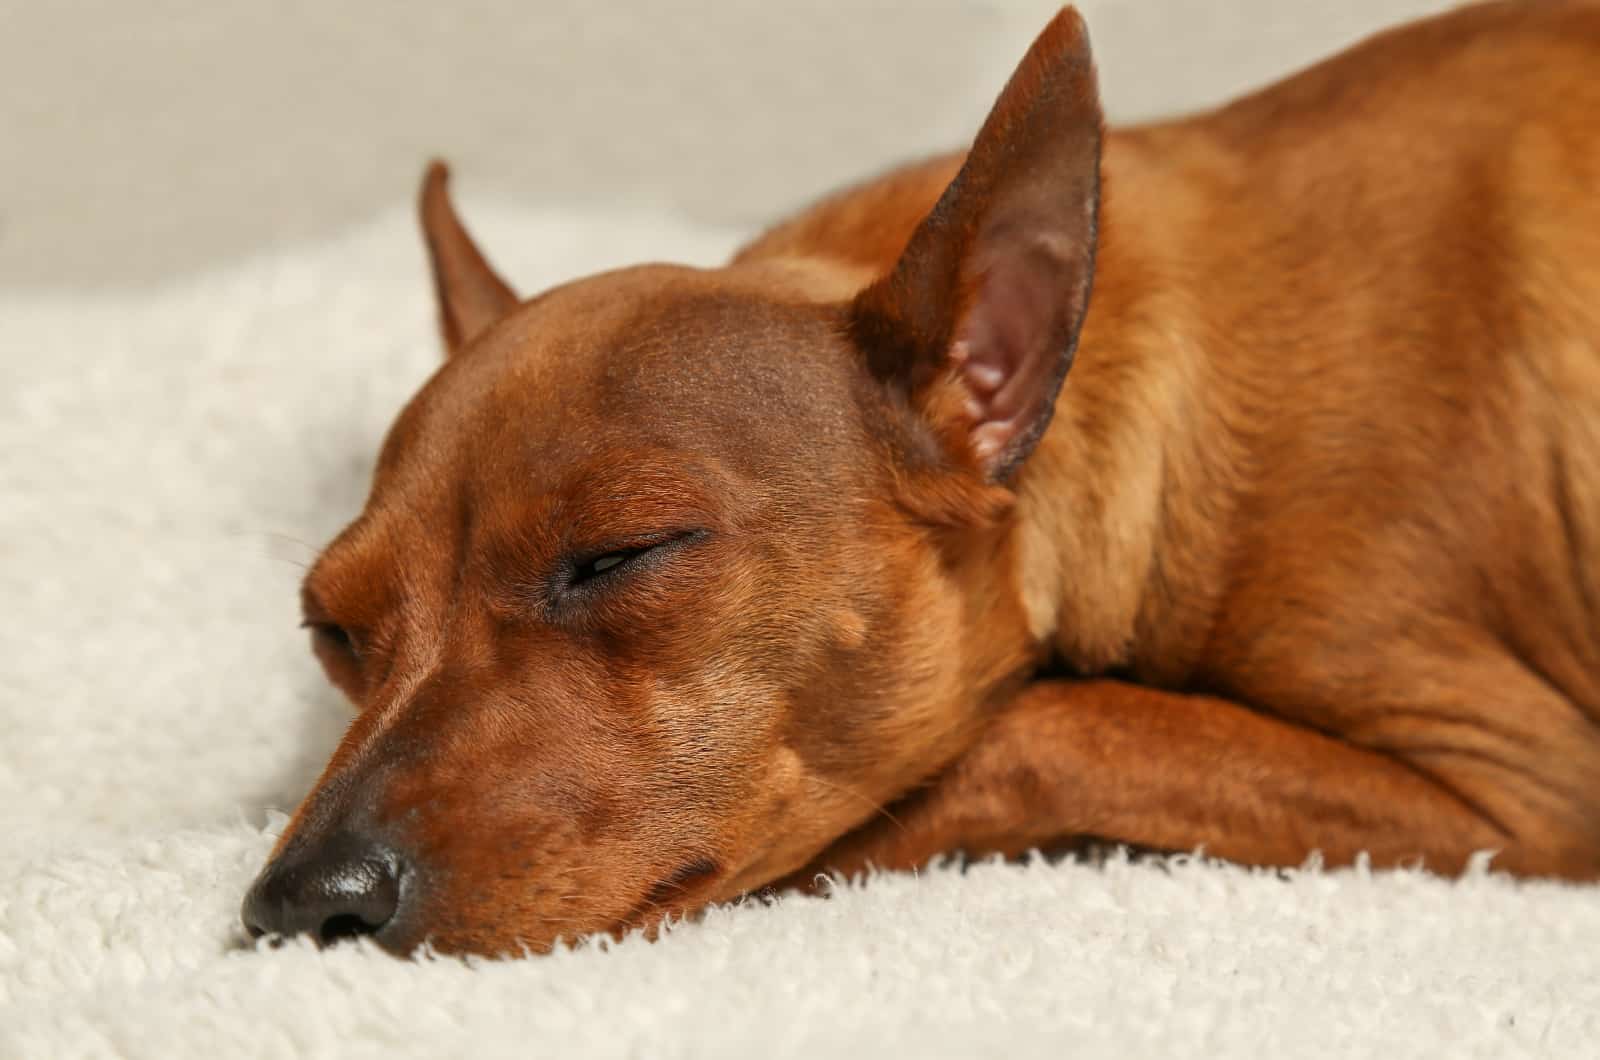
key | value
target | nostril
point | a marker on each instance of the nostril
(341, 888)
(344, 926)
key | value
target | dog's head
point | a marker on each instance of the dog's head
(669, 577)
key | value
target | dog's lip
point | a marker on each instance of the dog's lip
(400, 934)
(682, 890)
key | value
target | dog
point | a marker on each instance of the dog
(677, 584)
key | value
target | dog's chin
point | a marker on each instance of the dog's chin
(486, 933)
(488, 941)
(492, 942)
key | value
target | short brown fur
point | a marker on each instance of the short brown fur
(1305, 560)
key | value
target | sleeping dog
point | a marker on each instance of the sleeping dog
(1230, 483)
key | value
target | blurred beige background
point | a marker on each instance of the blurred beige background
(141, 141)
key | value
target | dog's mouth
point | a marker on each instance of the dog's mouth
(687, 888)
(335, 894)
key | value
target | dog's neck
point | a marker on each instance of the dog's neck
(1123, 514)
(1118, 541)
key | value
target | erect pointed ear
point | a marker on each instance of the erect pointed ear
(471, 296)
(977, 323)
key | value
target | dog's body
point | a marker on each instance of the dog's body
(1321, 493)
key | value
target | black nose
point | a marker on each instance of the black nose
(340, 888)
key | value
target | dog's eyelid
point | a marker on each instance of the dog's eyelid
(333, 633)
(581, 574)
(599, 564)
(595, 563)
(634, 544)
(313, 612)
(312, 607)
(319, 619)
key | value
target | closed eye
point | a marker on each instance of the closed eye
(340, 652)
(591, 569)
(595, 569)
(332, 635)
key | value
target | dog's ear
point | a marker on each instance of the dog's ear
(471, 296)
(977, 323)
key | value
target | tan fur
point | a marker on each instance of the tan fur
(1305, 561)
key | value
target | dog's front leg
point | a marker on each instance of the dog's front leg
(1173, 772)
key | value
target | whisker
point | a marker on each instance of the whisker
(667, 885)
(276, 535)
(877, 807)
(269, 540)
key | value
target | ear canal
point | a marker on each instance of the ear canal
(977, 323)
(471, 295)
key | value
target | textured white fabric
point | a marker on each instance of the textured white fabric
(170, 461)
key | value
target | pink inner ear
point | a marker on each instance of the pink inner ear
(1007, 348)
(995, 281)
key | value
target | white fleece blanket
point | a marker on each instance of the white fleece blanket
(170, 461)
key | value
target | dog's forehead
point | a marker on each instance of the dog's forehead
(720, 328)
(732, 363)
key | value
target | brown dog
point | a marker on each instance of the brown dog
(671, 578)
